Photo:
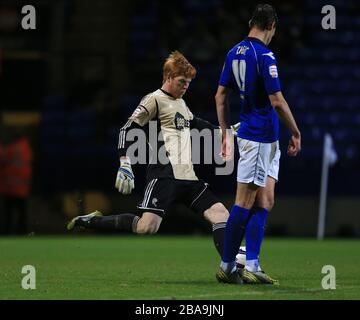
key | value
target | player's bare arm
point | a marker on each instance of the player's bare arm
(222, 109)
(282, 108)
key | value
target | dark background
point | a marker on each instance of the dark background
(71, 84)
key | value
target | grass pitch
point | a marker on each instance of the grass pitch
(159, 267)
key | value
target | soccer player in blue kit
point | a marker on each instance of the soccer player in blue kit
(251, 69)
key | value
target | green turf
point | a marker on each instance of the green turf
(161, 267)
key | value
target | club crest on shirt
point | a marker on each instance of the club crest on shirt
(180, 122)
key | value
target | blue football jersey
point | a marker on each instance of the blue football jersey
(251, 67)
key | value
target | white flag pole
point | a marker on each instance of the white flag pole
(329, 158)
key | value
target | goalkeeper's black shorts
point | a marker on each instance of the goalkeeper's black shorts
(161, 194)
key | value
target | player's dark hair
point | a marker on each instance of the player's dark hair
(263, 17)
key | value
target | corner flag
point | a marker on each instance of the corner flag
(329, 159)
(329, 150)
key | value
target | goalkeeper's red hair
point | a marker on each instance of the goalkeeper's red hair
(177, 65)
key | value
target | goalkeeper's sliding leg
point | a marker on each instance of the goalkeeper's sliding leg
(148, 223)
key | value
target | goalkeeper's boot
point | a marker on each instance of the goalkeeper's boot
(248, 277)
(264, 278)
(83, 221)
(233, 277)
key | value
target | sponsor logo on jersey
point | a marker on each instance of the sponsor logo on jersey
(273, 71)
(180, 122)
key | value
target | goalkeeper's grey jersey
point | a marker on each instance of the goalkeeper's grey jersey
(173, 119)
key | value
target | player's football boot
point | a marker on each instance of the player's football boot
(248, 277)
(233, 277)
(82, 221)
(264, 278)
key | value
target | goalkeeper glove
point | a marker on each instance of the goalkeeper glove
(125, 177)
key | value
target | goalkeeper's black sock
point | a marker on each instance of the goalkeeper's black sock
(218, 236)
(122, 222)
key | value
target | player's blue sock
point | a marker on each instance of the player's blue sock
(255, 233)
(234, 232)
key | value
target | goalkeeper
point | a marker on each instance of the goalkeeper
(168, 183)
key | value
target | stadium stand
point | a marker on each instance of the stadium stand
(319, 79)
